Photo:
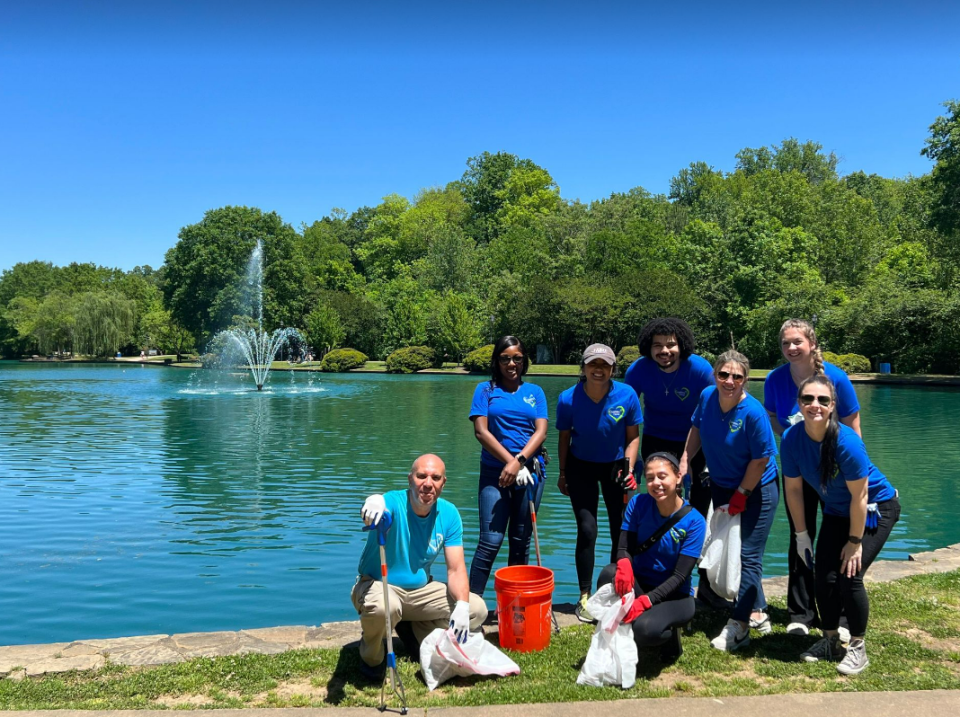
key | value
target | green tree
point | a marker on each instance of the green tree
(105, 322)
(457, 330)
(324, 330)
(158, 329)
(943, 147)
(790, 156)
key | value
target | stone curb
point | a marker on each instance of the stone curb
(20, 661)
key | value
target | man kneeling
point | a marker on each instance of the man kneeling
(423, 524)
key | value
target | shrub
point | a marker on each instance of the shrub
(710, 358)
(850, 363)
(411, 359)
(478, 360)
(626, 356)
(340, 360)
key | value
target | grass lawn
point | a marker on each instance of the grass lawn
(913, 644)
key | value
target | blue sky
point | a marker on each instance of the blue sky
(121, 122)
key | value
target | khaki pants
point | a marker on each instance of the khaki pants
(425, 608)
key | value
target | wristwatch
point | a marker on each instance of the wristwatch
(854, 539)
(521, 459)
(746, 491)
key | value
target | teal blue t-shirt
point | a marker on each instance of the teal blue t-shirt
(413, 543)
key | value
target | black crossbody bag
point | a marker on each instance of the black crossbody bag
(660, 532)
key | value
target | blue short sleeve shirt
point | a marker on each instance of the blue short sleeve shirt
(413, 543)
(598, 430)
(669, 398)
(732, 439)
(511, 417)
(800, 455)
(780, 394)
(652, 567)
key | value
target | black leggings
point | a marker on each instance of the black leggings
(836, 591)
(801, 584)
(585, 481)
(656, 625)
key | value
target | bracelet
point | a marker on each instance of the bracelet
(854, 539)
(745, 491)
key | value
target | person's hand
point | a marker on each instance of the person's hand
(627, 480)
(640, 605)
(525, 478)
(850, 559)
(623, 580)
(805, 548)
(460, 621)
(562, 484)
(738, 503)
(373, 509)
(508, 476)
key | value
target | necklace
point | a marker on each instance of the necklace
(666, 387)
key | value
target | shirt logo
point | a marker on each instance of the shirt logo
(436, 544)
(616, 413)
(736, 425)
(678, 534)
(682, 393)
(531, 401)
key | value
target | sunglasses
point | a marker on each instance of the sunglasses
(807, 400)
(724, 375)
(506, 360)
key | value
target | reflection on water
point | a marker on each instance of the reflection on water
(137, 500)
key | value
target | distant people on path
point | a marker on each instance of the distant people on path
(660, 542)
(599, 423)
(732, 428)
(860, 508)
(798, 342)
(510, 421)
(423, 524)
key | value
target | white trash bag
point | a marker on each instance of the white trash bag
(442, 658)
(612, 657)
(721, 552)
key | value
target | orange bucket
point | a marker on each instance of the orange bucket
(524, 607)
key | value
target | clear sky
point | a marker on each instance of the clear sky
(121, 122)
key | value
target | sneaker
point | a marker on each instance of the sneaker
(826, 648)
(405, 633)
(672, 648)
(856, 660)
(798, 628)
(732, 637)
(762, 624)
(844, 634)
(583, 615)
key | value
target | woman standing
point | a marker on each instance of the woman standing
(599, 422)
(860, 508)
(735, 434)
(798, 342)
(510, 421)
(660, 543)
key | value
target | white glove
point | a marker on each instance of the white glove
(524, 477)
(805, 548)
(373, 509)
(460, 621)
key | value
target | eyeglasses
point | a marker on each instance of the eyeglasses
(807, 400)
(506, 360)
(724, 375)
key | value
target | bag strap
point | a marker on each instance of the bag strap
(661, 531)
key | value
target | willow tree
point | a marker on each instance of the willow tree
(104, 323)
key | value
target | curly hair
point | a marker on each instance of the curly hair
(667, 326)
(806, 328)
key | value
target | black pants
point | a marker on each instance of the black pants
(801, 584)
(836, 591)
(585, 482)
(656, 625)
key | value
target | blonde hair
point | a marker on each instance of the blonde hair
(806, 328)
(736, 357)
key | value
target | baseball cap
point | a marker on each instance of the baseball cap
(599, 351)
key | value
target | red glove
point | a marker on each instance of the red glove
(630, 482)
(738, 503)
(623, 581)
(636, 610)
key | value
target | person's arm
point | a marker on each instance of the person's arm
(458, 584)
(563, 451)
(775, 423)
(690, 450)
(682, 571)
(853, 421)
(794, 491)
(633, 446)
(536, 440)
(850, 556)
(481, 429)
(754, 473)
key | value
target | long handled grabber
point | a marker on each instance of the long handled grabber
(382, 526)
(536, 543)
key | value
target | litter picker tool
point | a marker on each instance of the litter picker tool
(536, 543)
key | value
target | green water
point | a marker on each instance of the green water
(137, 500)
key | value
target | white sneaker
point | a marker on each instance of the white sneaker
(856, 660)
(762, 624)
(732, 637)
(797, 628)
(844, 634)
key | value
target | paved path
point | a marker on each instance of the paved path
(20, 661)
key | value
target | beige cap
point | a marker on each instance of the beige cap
(599, 351)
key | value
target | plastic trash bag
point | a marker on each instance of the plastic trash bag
(442, 658)
(721, 552)
(612, 657)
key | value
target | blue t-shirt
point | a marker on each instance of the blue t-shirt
(598, 430)
(413, 543)
(780, 394)
(731, 440)
(800, 456)
(669, 398)
(652, 567)
(511, 417)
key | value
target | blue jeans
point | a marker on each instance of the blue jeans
(498, 507)
(755, 524)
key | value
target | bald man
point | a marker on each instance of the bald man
(423, 525)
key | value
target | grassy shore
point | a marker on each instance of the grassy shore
(913, 644)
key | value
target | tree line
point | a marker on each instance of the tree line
(873, 261)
